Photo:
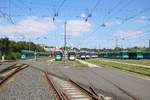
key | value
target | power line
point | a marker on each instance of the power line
(61, 5)
(121, 8)
(132, 17)
(139, 29)
(58, 9)
(149, 44)
(5, 15)
(103, 25)
(92, 10)
(111, 10)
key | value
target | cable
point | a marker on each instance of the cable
(112, 10)
(131, 17)
(92, 10)
(61, 5)
(57, 11)
(7, 16)
(121, 8)
(103, 25)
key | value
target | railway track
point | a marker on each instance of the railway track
(8, 72)
(70, 90)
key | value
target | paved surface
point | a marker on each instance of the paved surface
(104, 80)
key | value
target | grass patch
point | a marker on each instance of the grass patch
(135, 69)
(140, 62)
(72, 63)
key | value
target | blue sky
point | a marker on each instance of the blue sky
(113, 22)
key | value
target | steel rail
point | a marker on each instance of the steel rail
(21, 67)
(92, 94)
(11, 67)
(60, 95)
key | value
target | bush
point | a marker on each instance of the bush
(12, 56)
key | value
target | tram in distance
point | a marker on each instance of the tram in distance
(86, 55)
(58, 55)
(81, 55)
(126, 55)
(71, 55)
(29, 54)
(94, 55)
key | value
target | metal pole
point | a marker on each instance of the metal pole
(65, 42)
(29, 45)
(116, 43)
(35, 55)
(149, 44)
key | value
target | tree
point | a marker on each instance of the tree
(4, 47)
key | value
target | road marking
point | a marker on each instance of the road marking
(88, 64)
(51, 60)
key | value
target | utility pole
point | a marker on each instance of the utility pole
(116, 43)
(65, 42)
(149, 44)
(122, 44)
(99, 47)
(29, 44)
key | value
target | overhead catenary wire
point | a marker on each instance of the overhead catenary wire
(61, 5)
(58, 9)
(5, 15)
(112, 10)
(141, 12)
(142, 35)
(138, 29)
(102, 24)
(121, 9)
(132, 17)
(92, 10)
(94, 31)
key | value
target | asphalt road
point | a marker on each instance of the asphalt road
(107, 82)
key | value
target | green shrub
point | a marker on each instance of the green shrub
(12, 56)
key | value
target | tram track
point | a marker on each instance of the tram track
(7, 73)
(70, 90)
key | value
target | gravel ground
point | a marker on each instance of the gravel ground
(6, 64)
(29, 84)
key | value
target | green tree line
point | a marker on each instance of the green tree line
(109, 50)
(12, 49)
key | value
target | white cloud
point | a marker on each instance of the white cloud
(83, 15)
(111, 23)
(31, 25)
(128, 34)
(141, 20)
(75, 27)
